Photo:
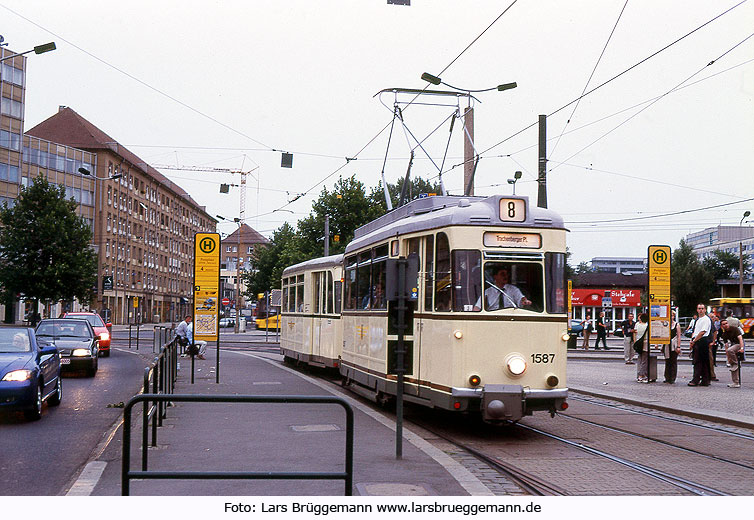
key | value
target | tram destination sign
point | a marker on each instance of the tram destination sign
(206, 286)
(659, 295)
(504, 239)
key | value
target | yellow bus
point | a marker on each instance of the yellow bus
(742, 308)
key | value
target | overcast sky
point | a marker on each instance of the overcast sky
(224, 83)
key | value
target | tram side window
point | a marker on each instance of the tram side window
(338, 293)
(555, 282)
(429, 272)
(363, 280)
(467, 280)
(316, 294)
(511, 285)
(300, 293)
(350, 280)
(442, 274)
(379, 267)
(285, 294)
(329, 304)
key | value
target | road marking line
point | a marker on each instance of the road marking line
(463, 476)
(88, 479)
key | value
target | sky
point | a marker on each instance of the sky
(231, 84)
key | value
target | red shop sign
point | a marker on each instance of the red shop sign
(592, 297)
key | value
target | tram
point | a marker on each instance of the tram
(487, 322)
(742, 308)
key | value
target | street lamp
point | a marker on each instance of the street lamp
(426, 76)
(512, 181)
(741, 257)
(238, 273)
(39, 49)
(84, 171)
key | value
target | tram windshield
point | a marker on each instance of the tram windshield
(512, 285)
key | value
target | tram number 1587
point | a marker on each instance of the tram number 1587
(542, 358)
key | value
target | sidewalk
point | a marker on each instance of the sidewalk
(278, 437)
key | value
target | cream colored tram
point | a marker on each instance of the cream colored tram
(472, 347)
(310, 328)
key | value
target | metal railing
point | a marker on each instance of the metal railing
(159, 379)
(127, 475)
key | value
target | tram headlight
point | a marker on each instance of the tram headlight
(565, 336)
(475, 380)
(458, 334)
(516, 364)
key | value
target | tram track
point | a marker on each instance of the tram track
(626, 408)
(674, 480)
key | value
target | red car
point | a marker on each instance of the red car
(102, 329)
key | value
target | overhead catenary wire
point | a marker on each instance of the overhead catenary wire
(586, 85)
(653, 102)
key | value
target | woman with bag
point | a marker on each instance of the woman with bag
(641, 346)
(587, 330)
(671, 351)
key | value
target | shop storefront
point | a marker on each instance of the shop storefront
(617, 304)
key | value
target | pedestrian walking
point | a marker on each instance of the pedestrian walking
(601, 332)
(713, 345)
(700, 347)
(628, 338)
(672, 350)
(641, 346)
(734, 343)
(586, 324)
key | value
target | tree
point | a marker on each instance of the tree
(724, 265)
(284, 250)
(348, 207)
(416, 188)
(45, 251)
(691, 282)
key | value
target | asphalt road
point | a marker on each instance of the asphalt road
(42, 457)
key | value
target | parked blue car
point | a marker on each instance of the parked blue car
(29, 372)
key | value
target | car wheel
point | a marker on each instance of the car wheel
(35, 412)
(55, 398)
(93, 369)
(106, 353)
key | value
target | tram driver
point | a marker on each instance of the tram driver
(502, 294)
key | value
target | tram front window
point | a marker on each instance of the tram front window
(510, 285)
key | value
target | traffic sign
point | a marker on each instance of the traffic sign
(206, 286)
(658, 259)
(226, 301)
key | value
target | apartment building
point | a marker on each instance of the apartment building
(238, 251)
(144, 226)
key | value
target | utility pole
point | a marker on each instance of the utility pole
(542, 178)
(327, 235)
(468, 150)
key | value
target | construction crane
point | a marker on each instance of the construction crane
(243, 173)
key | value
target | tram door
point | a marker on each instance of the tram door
(319, 282)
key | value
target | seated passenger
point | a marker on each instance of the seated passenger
(502, 295)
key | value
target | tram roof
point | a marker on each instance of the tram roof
(314, 263)
(441, 211)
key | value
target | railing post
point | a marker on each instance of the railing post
(129, 336)
(145, 423)
(156, 404)
(137, 336)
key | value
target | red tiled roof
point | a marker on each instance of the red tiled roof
(248, 236)
(69, 128)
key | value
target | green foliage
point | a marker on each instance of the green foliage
(45, 251)
(348, 207)
(582, 268)
(723, 265)
(269, 262)
(691, 282)
(416, 187)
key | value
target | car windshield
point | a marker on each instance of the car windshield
(14, 340)
(93, 319)
(64, 329)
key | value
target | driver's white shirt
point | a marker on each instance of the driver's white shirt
(512, 298)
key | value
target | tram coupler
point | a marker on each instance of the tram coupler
(503, 403)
